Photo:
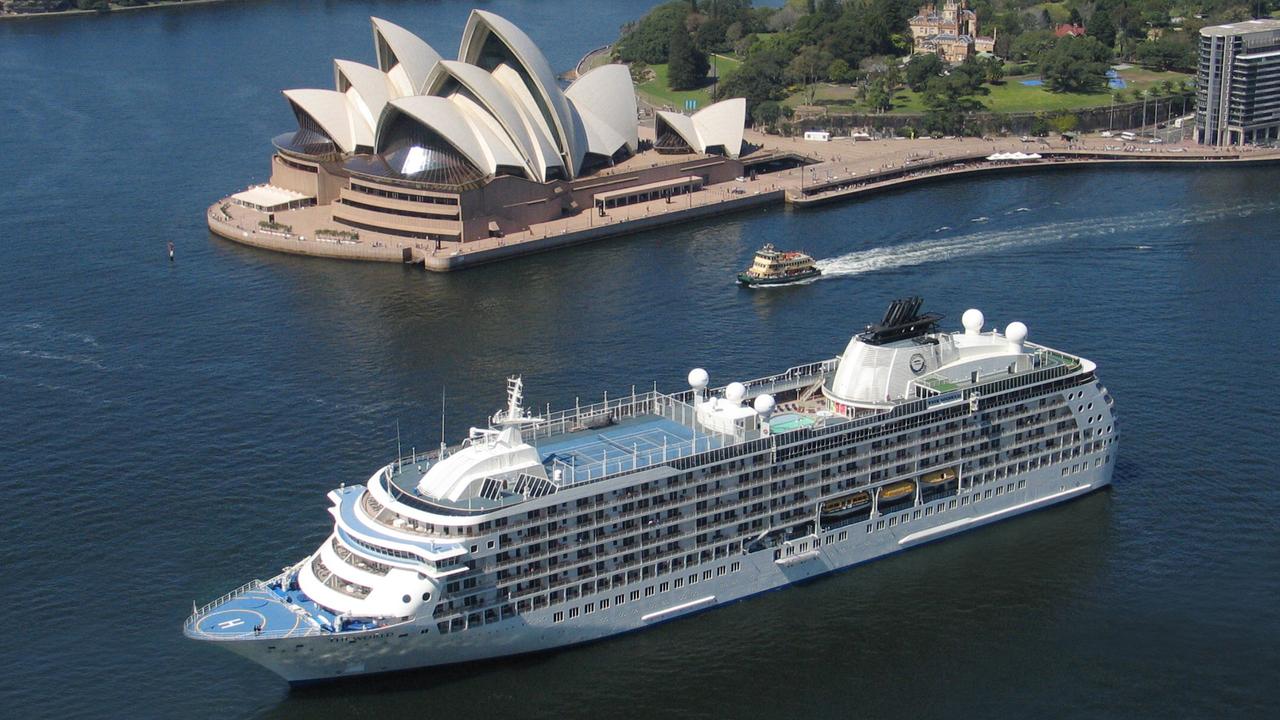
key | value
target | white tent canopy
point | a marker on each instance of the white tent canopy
(269, 198)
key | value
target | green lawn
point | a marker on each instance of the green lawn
(659, 93)
(1009, 96)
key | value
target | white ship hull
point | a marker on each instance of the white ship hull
(325, 657)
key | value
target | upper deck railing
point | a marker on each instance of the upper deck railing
(679, 408)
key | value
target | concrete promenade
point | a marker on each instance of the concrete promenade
(844, 170)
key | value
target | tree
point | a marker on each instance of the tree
(1031, 45)
(1103, 28)
(840, 72)
(687, 66)
(760, 78)
(1167, 52)
(1075, 64)
(808, 67)
(766, 113)
(992, 70)
(948, 101)
(923, 68)
(879, 96)
(648, 39)
(1065, 123)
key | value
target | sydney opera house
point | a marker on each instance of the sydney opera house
(421, 154)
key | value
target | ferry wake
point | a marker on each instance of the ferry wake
(542, 532)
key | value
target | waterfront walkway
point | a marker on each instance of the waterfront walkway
(841, 170)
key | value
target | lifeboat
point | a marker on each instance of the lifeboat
(846, 503)
(939, 477)
(896, 491)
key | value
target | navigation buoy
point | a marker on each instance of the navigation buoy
(170, 252)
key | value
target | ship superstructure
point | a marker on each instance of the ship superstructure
(544, 531)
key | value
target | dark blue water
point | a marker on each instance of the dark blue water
(168, 431)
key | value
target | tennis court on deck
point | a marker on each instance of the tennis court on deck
(634, 443)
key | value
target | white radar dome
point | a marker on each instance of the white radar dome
(972, 321)
(1016, 333)
(735, 392)
(764, 404)
(698, 378)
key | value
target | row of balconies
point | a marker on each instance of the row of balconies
(772, 496)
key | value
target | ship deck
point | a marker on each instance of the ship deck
(263, 611)
(634, 443)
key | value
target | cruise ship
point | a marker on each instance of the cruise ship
(543, 531)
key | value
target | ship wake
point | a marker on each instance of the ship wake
(994, 242)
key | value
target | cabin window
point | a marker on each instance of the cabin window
(648, 592)
(558, 617)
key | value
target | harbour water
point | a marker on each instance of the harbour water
(169, 429)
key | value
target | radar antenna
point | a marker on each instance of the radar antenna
(515, 414)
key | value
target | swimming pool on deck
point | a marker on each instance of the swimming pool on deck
(631, 444)
(790, 421)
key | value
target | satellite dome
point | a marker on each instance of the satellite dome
(735, 392)
(764, 404)
(1016, 333)
(972, 321)
(698, 378)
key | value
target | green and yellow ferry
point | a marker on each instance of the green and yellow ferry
(778, 267)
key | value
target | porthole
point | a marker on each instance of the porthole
(426, 597)
(406, 599)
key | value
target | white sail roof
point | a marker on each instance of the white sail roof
(718, 125)
(535, 146)
(502, 89)
(477, 143)
(367, 88)
(606, 100)
(536, 71)
(403, 56)
(331, 110)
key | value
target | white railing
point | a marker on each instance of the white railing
(251, 585)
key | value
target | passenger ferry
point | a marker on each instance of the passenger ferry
(778, 267)
(539, 532)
